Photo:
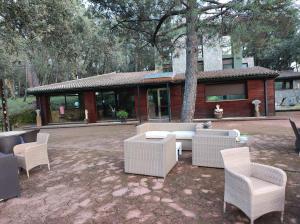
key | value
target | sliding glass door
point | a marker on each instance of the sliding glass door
(158, 106)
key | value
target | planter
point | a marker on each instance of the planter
(218, 115)
(123, 120)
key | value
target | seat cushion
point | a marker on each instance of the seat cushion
(184, 134)
(157, 134)
(261, 187)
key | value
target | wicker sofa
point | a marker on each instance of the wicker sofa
(154, 157)
(184, 131)
(208, 143)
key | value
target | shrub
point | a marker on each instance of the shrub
(25, 117)
(122, 114)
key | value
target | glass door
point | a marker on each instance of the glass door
(158, 106)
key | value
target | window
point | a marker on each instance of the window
(226, 45)
(279, 85)
(200, 52)
(200, 66)
(228, 63)
(245, 65)
(221, 92)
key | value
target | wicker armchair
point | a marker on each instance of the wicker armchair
(254, 188)
(9, 182)
(208, 143)
(153, 157)
(30, 155)
(297, 135)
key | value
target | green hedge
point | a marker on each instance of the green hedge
(25, 117)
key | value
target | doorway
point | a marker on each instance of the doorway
(158, 105)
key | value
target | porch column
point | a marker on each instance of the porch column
(169, 101)
(44, 105)
(139, 104)
(266, 97)
(90, 105)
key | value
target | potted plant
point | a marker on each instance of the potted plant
(122, 115)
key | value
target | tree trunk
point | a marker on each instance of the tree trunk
(11, 87)
(190, 87)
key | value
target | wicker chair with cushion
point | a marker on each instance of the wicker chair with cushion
(30, 155)
(254, 188)
(208, 143)
(297, 135)
(9, 182)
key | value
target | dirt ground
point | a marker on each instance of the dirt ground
(87, 183)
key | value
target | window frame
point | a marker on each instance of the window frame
(227, 100)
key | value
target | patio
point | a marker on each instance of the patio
(87, 184)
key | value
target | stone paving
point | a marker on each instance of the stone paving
(87, 184)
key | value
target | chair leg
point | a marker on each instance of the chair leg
(224, 206)
(281, 217)
(27, 174)
(49, 166)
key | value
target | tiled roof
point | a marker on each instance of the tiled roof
(288, 74)
(135, 78)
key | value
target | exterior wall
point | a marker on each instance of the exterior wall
(176, 95)
(142, 112)
(90, 105)
(249, 61)
(212, 55)
(203, 109)
(179, 60)
(271, 97)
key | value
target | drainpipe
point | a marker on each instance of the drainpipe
(169, 102)
(266, 97)
(139, 104)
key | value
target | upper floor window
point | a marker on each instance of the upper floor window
(226, 46)
(228, 63)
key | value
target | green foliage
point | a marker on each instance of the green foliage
(61, 40)
(21, 112)
(122, 114)
(25, 117)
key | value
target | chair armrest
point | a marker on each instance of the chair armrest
(240, 185)
(24, 146)
(269, 173)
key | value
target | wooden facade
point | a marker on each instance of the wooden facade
(261, 89)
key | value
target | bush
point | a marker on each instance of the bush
(25, 117)
(122, 114)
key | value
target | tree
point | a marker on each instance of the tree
(161, 21)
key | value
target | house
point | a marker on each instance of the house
(287, 91)
(213, 54)
(151, 95)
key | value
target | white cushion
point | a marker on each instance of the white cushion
(234, 133)
(157, 134)
(184, 134)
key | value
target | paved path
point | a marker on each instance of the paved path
(87, 183)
